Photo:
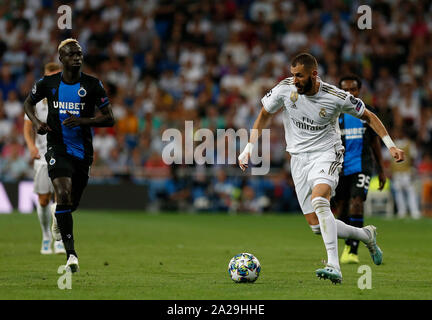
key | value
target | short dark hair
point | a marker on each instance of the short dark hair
(305, 59)
(351, 77)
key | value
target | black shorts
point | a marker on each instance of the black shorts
(352, 186)
(63, 165)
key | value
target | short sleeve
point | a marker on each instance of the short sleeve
(38, 91)
(273, 101)
(101, 96)
(353, 106)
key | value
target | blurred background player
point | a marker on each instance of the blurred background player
(37, 145)
(72, 99)
(361, 144)
(402, 178)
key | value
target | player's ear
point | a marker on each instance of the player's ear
(314, 73)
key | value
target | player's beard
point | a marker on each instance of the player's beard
(306, 88)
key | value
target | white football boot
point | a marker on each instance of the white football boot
(72, 264)
(46, 247)
(59, 247)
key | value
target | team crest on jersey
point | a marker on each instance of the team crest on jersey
(82, 92)
(294, 96)
(323, 113)
(52, 161)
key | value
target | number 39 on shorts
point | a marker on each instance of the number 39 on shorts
(363, 181)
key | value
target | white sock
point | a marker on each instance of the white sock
(44, 215)
(328, 229)
(345, 231)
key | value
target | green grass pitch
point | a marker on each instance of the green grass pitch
(134, 255)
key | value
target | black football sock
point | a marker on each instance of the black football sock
(356, 221)
(65, 223)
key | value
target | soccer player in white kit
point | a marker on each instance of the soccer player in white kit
(311, 110)
(43, 187)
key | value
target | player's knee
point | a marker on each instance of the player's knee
(356, 206)
(44, 201)
(63, 196)
(320, 205)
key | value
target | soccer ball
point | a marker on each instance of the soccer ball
(244, 267)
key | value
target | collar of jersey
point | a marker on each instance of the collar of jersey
(79, 80)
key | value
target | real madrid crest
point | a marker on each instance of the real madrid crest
(82, 92)
(294, 96)
(323, 113)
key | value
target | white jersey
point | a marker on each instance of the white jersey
(311, 122)
(41, 112)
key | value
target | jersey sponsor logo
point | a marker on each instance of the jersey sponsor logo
(294, 96)
(323, 113)
(305, 126)
(353, 133)
(82, 92)
(34, 89)
(68, 105)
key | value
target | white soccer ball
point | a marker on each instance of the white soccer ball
(244, 267)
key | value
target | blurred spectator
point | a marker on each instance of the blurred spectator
(223, 191)
(103, 143)
(164, 62)
(402, 178)
(12, 106)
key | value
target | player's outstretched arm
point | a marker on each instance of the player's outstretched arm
(376, 124)
(29, 109)
(105, 119)
(260, 123)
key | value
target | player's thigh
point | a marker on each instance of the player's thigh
(299, 172)
(360, 186)
(60, 171)
(42, 183)
(325, 170)
(340, 202)
(79, 181)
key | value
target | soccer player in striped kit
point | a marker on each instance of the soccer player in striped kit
(73, 97)
(362, 146)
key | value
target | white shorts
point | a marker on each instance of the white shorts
(42, 182)
(311, 168)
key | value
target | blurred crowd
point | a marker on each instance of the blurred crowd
(164, 62)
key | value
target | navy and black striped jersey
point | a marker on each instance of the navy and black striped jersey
(80, 99)
(356, 137)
